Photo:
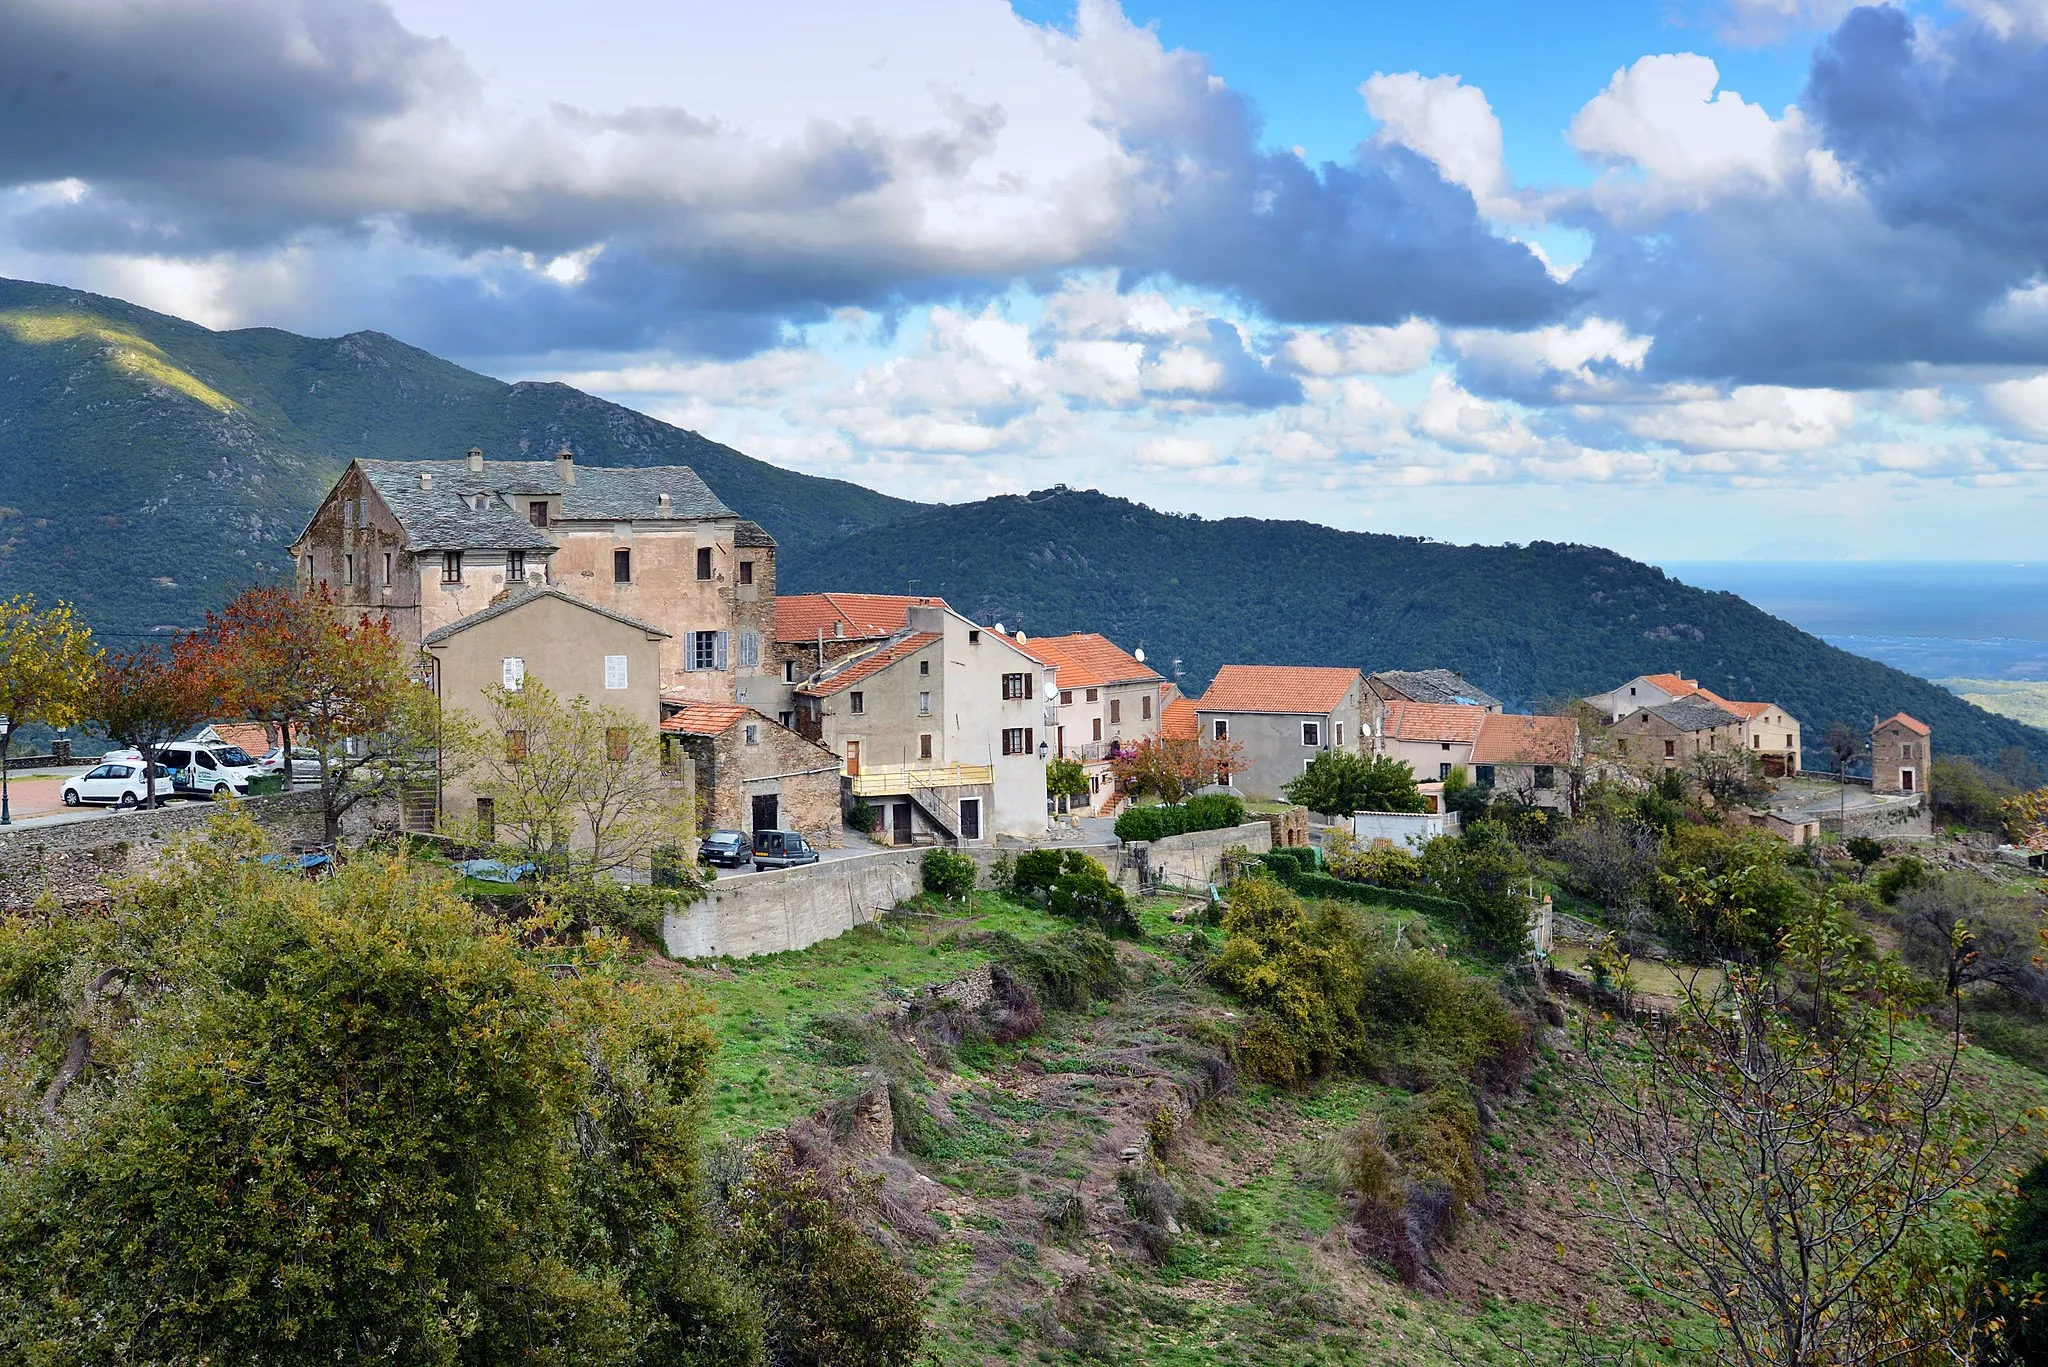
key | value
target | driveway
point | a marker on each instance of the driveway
(852, 845)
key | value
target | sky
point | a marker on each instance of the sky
(1693, 279)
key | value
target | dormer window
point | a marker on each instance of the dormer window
(537, 512)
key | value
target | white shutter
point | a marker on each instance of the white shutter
(515, 673)
(750, 650)
(719, 662)
(614, 671)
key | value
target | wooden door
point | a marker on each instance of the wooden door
(903, 823)
(853, 759)
(765, 811)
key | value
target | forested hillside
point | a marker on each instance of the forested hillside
(1525, 622)
(149, 467)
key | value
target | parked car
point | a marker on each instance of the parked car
(215, 771)
(123, 785)
(729, 848)
(781, 849)
(305, 761)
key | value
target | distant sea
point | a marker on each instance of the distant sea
(1938, 619)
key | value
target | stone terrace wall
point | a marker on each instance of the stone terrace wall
(1196, 858)
(74, 861)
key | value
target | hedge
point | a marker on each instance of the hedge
(1209, 812)
(1294, 868)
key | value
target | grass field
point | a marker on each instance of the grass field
(2021, 699)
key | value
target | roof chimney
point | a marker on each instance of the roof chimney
(662, 501)
(476, 460)
(565, 464)
(426, 479)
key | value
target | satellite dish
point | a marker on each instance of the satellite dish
(1000, 631)
(1139, 654)
(1020, 634)
(1365, 727)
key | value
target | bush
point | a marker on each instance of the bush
(948, 875)
(1727, 894)
(1296, 869)
(1086, 895)
(1070, 971)
(1901, 877)
(1208, 812)
(1036, 871)
(1382, 864)
(1485, 873)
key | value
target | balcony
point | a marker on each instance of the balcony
(883, 780)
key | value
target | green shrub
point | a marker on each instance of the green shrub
(1071, 970)
(1213, 812)
(1383, 865)
(1907, 873)
(1086, 895)
(1295, 868)
(1036, 871)
(1208, 812)
(947, 874)
(1485, 873)
(1436, 1137)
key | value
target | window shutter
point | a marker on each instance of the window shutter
(1027, 683)
(614, 671)
(1027, 742)
(719, 660)
(750, 650)
(514, 673)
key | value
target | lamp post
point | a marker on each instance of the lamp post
(6, 734)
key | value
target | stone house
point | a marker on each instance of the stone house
(1108, 699)
(430, 542)
(1768, 731)
(1430, 738)
(1668, 735)
(942, 727)
(1901, 755)
(1533, 759)
(1282, 717)
(814, 630)
(1645, 690)
(752, 773)
(543, 633)
(1433, 687)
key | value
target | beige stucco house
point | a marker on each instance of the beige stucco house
(1108, 700)
(1430, 738)
(1531, 759)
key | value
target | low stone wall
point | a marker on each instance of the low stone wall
(74, 861)
(784, 909)
(1901, 820)
(1196, 858)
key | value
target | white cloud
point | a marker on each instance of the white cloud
(1578, 362)
(1752, 419)
(1360, 350)
(1466, 422)
(1451, 123)
(1759, 22)
(2020, 406)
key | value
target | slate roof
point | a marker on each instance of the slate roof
(752, 535)
(799, 617)
(1089, 660)
(1437, 686)
(519, 600)
(1918, 728)
(851, 671)
(1525, 740)
(1694, 714)
(1306, 689)
(705, 718)
(1178, 720)
(440, 515)
(1454, 722)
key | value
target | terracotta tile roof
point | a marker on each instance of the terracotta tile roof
(1306, 689)
(705, 718)
(1918, 728)
(1748, 711)
(1437, 721)
(799, 617)
(1178, 721)
(861, 666)
(1525, 740)
(1037, 651)
(1089, 660)
(252, 736)
(1673, 684)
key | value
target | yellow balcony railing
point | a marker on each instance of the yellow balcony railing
(880, 780)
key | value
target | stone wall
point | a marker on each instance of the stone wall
(1194, 859)
(74, 861)
(1893, 821)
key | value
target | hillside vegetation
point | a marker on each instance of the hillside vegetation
(2024, 700)
(150, 468)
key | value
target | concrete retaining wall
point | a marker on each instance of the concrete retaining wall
(1196, 858)
(1410, 829)
(74, 861)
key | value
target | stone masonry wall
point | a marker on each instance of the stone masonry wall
(1196, 858)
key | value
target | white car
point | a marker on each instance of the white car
(215, 771)
(305, 760)
(122, 785)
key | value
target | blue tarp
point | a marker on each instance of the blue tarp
(494, 870)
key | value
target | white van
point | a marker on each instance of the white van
(214, 771)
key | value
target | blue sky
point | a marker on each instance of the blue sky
(1755, 279)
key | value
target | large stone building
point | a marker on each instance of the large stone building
(941, 727)
(1670, 734)
(428, 543)
(1282, 717)
(752, 774)
(1765, 729)
(1901, 755)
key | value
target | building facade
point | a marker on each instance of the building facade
(752, 774)
(1109, 700)
(1535, 760)
(1432, 739)
(1670, 734)
(1901, 755)
(1281, 717)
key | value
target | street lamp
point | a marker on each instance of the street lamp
(6, 733)
(1043, 749)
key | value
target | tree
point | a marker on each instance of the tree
(269, 649)
(1843, 746)
(1468, 799)
(1483, 869)
(145, 699)
(1865, 852)
(1338, 783)
(1965, 792)
(1176, 767)
(262, 1120)
(1730, 777)
(47, 661)
(578, 789)
(1963, 931)
(1065, 778)
(1613, 861)
(380, 732)
(1789, 1180)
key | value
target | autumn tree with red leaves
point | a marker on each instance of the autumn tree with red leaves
(1177, 767)
(145, 699)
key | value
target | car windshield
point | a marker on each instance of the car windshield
(235, 757)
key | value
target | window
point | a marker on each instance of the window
(746, 571)
(1447, 745)
(1482, 774)
(614, 672)
(707, 650)
(924, 745)
(622, 566)
(1670, 749)
(1066, 697)
(618, 743)
(537, 512)
(515, 566)
(924, 667)
(753, 734)
(1759, 739)
(309, 571)
(1221, 730)
(1145, 707)
(515, 746)
(1016, 686)
(974, 636)
(451, 567)
(785, 719)
(970, 818)
(1116, 711)
(512, 673)
(924, 704)
(1546, 777)
(1094, 695)
(1311, 733)
(789, 671)
(387, 568)
(1443, 771)
(1017, 740)
(348, 569)
(1340, 735)
(857, 702)
(750, 650)
(703, 562)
